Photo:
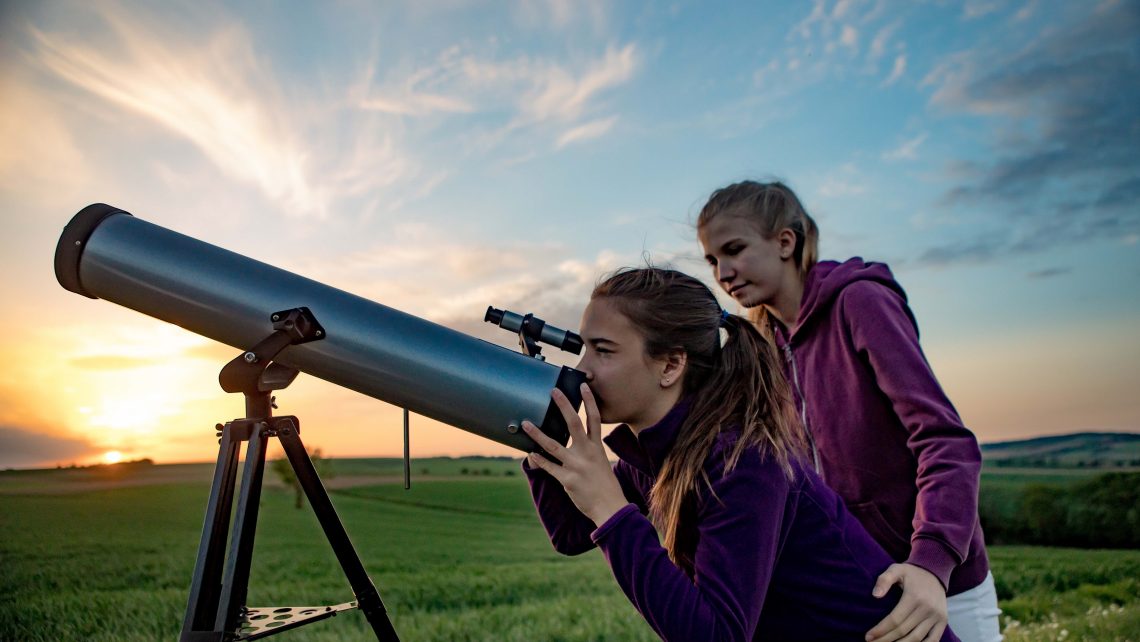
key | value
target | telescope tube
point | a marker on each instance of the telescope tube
(460, 380)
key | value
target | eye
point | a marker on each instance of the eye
(602, 351)
(711, 260)
(733, 250)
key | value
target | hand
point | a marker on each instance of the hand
(921, 611)
(585, 472)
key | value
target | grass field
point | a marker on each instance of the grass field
(101, 554)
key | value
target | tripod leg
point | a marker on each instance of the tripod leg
(235, 584)
(366, 594)
(202, 607)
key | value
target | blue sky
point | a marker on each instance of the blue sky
(438, 157)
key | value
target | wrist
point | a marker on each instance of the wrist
(933, 557)
(606, 510)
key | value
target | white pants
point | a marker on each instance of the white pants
(973, 614)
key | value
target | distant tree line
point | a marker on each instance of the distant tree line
(1102, 512)
(1060, 462)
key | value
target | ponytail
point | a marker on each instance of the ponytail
(737, 386)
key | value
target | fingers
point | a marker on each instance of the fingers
(546, 443)
(593, 416)
(892, 627)
(915, 627)
(538, 461)
(890, 577)
(935, 633)
(573, 421)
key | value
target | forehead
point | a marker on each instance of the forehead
(727, 227)
(603, 320)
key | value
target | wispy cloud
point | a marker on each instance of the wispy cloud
(1063, 113)
(897, 71)
(112, 362)
(838, 32)
(844, 181)
(908, 150)
(592, 129)
(217, 93)
(522, 94)
(881, 40)
(1049, 273)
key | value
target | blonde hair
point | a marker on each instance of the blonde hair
(770, 207)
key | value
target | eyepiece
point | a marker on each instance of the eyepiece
(534, 328)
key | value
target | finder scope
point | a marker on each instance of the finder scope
(528, 325)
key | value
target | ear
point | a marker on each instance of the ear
(787, 240)
(673, 368)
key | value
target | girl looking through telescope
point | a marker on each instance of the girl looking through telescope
(711, 459)
(883, 433)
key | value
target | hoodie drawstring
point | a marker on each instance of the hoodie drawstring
(802, 408)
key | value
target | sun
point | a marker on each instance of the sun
(112, 457)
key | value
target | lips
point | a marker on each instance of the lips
(736, 289)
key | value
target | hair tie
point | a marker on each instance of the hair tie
(723, 317)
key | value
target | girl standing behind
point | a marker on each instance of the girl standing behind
(882, 432)
(752, 544)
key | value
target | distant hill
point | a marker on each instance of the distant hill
(1077, 450)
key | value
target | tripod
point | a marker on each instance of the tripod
(216, 611)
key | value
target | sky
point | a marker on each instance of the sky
(440, 157)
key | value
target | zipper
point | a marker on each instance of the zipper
(802, 408)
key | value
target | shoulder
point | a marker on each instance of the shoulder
(868, 294)
(875, 301)
(753, 465)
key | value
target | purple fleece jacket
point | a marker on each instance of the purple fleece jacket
(773, 558)
(888, 440)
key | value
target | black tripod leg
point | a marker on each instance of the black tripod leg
(235, 583)
(366, 594)
(202, 607)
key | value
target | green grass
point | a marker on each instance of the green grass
(454, 560)
(459, 557)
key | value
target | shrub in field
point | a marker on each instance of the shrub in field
(1101, 512)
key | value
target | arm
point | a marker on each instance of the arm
(949, 460)
(733, 564)
(568, 528)
(738, 524)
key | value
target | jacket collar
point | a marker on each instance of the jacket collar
(646, 451)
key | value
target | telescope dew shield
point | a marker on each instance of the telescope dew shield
(106, 253)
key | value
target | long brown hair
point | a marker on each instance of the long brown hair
(770, 208)
(738, 386)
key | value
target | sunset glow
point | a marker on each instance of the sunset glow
(112, 457)
(442, 157)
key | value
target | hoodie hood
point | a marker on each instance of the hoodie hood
(828, 278)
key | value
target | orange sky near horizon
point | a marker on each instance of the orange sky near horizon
(439, 158)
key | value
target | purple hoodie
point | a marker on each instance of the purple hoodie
(772, 558)
(887, 438)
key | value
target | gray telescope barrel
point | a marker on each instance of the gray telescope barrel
(407, 361)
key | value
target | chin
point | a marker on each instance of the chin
(749, 301)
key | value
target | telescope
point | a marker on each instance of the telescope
(285, 324)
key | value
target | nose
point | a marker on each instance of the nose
(724, 272)
(584, 367)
